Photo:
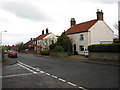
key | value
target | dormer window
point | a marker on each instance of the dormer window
(81, 37)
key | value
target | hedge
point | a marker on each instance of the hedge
(115, 47)
(58, 49)
(45, 52)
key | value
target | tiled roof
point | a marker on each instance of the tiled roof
(29, 43)
(41, 36)
(57, 36)
(85, 26)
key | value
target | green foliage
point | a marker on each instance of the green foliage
(59, 49)
(45, 52)
(52, 46)
(65, 42)
(22, 47)
(115, 47)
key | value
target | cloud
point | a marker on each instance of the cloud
(24, 10)
(106, 1)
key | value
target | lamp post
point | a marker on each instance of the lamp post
(1, 57)
(1, 37)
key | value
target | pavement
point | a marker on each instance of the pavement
(8, 61)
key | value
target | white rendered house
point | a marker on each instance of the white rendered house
(88, 33)
(42, 42)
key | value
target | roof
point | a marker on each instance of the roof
(82, 27)
(29, 43)
(57, 36)
(41, 36)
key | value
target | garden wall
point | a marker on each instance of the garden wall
(59, 54)
(104, 56)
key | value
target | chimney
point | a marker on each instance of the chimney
(72, 22)
(31, 39)
(99, 15)
(46, 30)
(42, 32)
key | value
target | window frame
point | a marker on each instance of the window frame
(81, 37)
(81, 48)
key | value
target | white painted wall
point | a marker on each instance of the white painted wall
(100, 32)
(46, 41)
(76, 40)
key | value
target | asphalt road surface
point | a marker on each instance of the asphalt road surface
(48, 72)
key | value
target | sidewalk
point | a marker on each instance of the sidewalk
(84, 59)
(9, 61)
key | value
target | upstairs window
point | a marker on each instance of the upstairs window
(81, 37)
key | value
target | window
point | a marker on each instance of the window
(81, 48)
(81, 37)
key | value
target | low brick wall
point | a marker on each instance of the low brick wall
(104, 56)
(59, 54)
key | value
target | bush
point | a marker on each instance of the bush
(65, 42)
(115, 47)
(59, 49)
(52, 46)
(45, 52)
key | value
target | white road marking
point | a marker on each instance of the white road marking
(27, 65)
(15, 75)
(27, 68)
(61, 79)
(42, 72)
(54, 76)
(82, 88)
(71, 84)
(47, 74)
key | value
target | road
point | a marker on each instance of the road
(69, 73)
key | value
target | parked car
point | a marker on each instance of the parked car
(12, 54)
(86, 53)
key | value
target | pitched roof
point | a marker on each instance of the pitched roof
(41, 36)
(29, 43)
(85, 26)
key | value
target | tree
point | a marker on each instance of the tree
(116, 26)
(65, 42)
(21, 47)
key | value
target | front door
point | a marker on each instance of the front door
(74, 49)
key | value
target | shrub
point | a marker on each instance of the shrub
(45, 52)
(59, 49)
(65, 42)
(115, 47)
(52, 46)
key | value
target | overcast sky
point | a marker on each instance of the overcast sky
(25, 19)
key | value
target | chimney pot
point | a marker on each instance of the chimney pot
(99, 15)
(42, 32)
(72, 22)
(46, 30)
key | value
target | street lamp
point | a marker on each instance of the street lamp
(1, 37)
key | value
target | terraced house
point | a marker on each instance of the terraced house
(87, 33)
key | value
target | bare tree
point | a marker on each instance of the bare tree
(116, 26)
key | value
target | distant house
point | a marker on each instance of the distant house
(15, 48)
(30, 44)
(88, 33)
(42, 42)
